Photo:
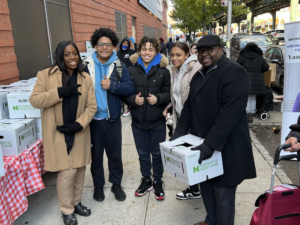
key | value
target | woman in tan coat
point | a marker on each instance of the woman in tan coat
(66, 95)
(184, 68)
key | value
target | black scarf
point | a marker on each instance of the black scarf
(69, 110)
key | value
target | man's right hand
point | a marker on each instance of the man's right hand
(66, 91)
(139, 100)
(175, 136)
(295, 145)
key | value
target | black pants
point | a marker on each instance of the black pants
(219, 203)
(106, 135)
(147, 144)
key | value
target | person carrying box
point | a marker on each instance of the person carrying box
(215, 111)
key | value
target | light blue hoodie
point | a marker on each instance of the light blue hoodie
(100, 70)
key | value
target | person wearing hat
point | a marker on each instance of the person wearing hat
(216, 111)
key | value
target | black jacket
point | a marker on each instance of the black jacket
(124, 55)
(156, 82)
(163, 48)
(216, 110)
(251, 59)
(295, 131)
(169, 45)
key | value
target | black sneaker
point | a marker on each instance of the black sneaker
(118, 191)
(99, 194)
(145, 186)
(158, 190)
(188, 194)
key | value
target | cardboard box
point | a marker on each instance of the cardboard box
(270, 75)
(38, 128)
(4, 105)
(16, 135)
(20, 107)
(2, 171)
(181, 162)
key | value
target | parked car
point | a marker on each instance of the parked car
(273, 38)
(279, 34)
(237, 43)
(276, 55)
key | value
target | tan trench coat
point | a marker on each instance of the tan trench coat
(45, 96)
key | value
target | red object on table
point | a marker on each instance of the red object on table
(22, 178)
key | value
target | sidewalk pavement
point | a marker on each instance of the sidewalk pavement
(274, 120)
(43, 206)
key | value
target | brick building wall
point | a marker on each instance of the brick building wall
(88, 15)
(8, 60)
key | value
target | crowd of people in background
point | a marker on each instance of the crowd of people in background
(205, 93)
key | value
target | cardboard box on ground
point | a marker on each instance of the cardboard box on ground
(181, 162)
(16, 135)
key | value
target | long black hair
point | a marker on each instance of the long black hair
(60, 62)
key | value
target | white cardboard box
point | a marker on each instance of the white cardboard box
(20, 107)
(16, 135)
(4, 105)
(2, 172)
(38, 128)
(181, 162)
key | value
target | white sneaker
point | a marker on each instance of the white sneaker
(127, 113)
(188, 194)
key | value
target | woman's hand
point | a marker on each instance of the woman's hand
(295, 145)
(165, 112)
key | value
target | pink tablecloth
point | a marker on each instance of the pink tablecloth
(22, 178)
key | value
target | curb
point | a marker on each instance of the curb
(264, 124)
(265, 154)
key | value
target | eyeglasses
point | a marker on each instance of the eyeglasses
(101, 44)
(207, 51)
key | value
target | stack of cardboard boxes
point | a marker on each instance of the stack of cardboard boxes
(20, 123)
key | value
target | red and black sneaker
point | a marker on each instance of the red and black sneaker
(145, 186)
(158, 190)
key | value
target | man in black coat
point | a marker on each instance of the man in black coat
(215, 110)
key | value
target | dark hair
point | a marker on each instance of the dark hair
(252, 47)
(152, 41)
(192, 45)
(60, 62)
(104, 32)
(183, 46)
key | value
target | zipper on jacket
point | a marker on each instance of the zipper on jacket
(145, 98)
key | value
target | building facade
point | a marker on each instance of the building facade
(31, 29)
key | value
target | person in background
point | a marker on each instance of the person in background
(193, 49)
(133, 43)
(66, 95)
(112, 81)
(152, 95)
(169, 45)
(293, 137)
(216, 111)
(183, 69)
(163, 48)
(124, 54)
(252, 60)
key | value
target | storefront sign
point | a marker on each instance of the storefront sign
(154, 6)
(291, 101)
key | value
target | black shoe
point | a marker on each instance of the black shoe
(69, 219)
(188, 194)
(118, 191)
(99, 194)
(158, 190)
(250, 117)
(145, 186)
(82, 210)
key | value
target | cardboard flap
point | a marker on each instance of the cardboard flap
(192, 140)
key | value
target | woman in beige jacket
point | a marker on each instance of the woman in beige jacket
(66, 95)
(184, 68)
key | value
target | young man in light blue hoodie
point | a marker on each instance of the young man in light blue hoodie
(112, 81)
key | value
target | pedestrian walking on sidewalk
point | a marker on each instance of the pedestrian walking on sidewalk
(111, 80)
(252, 60)
(163, 47)
(215, 111)
(183, 69)
(66, 95)
(169, 46)
(152, 95)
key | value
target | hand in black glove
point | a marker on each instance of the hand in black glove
(64, 92)
(69, 128)
(176, 135)
(205, 152)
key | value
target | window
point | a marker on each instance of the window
(150, 32)
(158, 33)
(277, 54)
(121, 24)
(269, 53)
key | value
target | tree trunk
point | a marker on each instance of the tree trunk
(203, 22)
(190, 35)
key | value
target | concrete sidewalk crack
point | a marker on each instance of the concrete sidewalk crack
(147, 208)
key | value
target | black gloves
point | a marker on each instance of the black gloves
(176, 135)
(64, 92)
(69, 128)
(205, 152)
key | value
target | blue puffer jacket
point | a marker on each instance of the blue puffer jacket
(117, 89)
